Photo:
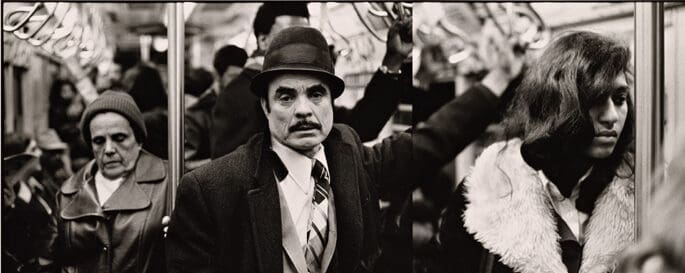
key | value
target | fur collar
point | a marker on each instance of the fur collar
(509, 214)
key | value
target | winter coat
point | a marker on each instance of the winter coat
(123, 235)
(501, 220)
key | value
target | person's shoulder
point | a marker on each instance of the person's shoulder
(236, 165)
(344, 131)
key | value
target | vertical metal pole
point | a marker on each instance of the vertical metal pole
(176, 31)
(649, 83)
(10, 98)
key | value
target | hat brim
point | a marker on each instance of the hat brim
(261, 81)
(18, 159)
(53, 146)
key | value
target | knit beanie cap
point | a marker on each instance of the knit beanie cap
(120, 103)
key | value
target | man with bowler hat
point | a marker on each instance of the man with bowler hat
(237, 115)
(303, 195)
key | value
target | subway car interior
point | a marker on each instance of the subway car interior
(176, 59)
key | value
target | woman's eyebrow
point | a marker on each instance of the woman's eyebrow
(621, 89)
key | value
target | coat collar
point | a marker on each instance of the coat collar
(263, 201)
(129, 195)
(509, 214)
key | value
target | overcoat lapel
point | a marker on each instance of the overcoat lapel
(332, 236)
(344, 174)
(265, 214)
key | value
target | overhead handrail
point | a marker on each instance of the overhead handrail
(44, 25)
(47, 34)
(388, 12)
(30, 11)
(504, 16)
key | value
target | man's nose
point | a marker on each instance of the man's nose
(609, 114)
(303, 108)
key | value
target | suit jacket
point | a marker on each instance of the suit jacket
(228, 217)
(293, 256)
(238, 116)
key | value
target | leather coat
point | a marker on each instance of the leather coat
(123, 235)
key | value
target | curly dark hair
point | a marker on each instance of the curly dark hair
(550, 111)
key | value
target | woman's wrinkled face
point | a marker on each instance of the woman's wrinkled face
(114, 144)
(608, 119)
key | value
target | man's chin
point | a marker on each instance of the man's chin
(305, 144)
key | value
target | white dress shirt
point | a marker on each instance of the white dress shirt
(298, 185)
(566, 207)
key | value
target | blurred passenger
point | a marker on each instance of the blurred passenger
(93, 80)
(55, 163)
(66, 107)
(238, 116)
(110, 212)
(28, 228)
(196, 82)
(144, 84)
(228, 63)
(558, 195)
(109, 77)
(662, 246)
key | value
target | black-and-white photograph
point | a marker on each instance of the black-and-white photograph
(312, 137)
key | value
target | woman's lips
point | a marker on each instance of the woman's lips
(605, 139)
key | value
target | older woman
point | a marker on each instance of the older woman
(110, 212)
(558, 195)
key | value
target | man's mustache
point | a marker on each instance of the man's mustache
(304, 125)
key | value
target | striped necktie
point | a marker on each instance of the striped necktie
(317, 235)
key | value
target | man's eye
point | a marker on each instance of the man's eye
(285, 98)
(317, 95)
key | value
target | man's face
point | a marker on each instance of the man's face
(114, 144)
(301, 110)
(280, 23)
(608, 118)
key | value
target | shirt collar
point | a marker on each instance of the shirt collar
(553, 190)
(297, 164)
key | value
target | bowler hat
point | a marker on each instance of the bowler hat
(298, 49)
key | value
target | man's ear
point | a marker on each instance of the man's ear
(265, 105)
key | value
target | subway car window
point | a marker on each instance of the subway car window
(343, 137)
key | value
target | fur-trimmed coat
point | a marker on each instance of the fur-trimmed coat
(501, 220)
